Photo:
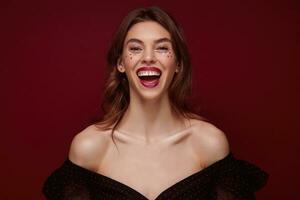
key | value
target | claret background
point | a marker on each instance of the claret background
(245, 57)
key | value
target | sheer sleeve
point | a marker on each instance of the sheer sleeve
(239, 180)
(66, 184)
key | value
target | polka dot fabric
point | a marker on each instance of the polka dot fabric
(226, 179)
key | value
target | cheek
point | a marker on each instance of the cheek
(169, 55)
(131, 58)
(168, 58)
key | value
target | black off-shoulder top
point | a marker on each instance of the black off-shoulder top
(226, 179)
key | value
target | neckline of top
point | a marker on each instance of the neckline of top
(138, 194)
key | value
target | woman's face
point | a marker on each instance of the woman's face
(148, 59)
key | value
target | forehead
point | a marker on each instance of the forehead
(147, 31)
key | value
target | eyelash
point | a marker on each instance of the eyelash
(134, 48)
(138, 48)
(163, 48)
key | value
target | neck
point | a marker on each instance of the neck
(150, 119)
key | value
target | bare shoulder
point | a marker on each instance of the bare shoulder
(88, 147)
(209, 141)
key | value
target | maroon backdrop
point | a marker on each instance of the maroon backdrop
(244, 55)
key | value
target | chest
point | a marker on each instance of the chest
(150, 170)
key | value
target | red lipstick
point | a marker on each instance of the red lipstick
(147, 80)
(149, 68)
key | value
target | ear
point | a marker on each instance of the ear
(120, 66)
(178, 66)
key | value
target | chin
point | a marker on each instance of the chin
(149, 95)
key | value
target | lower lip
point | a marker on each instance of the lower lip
(150, 84)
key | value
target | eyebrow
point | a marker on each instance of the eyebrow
(156, 41)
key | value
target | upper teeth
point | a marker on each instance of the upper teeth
(148, 73)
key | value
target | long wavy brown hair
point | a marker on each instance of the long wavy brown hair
(116, 92)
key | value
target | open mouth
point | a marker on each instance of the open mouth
(149, 76)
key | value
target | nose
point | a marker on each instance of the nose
(148, 57)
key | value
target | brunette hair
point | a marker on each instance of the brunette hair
(116, 92)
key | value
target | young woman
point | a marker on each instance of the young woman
(150, 144)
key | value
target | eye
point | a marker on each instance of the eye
(163, 49)
(135, 49)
